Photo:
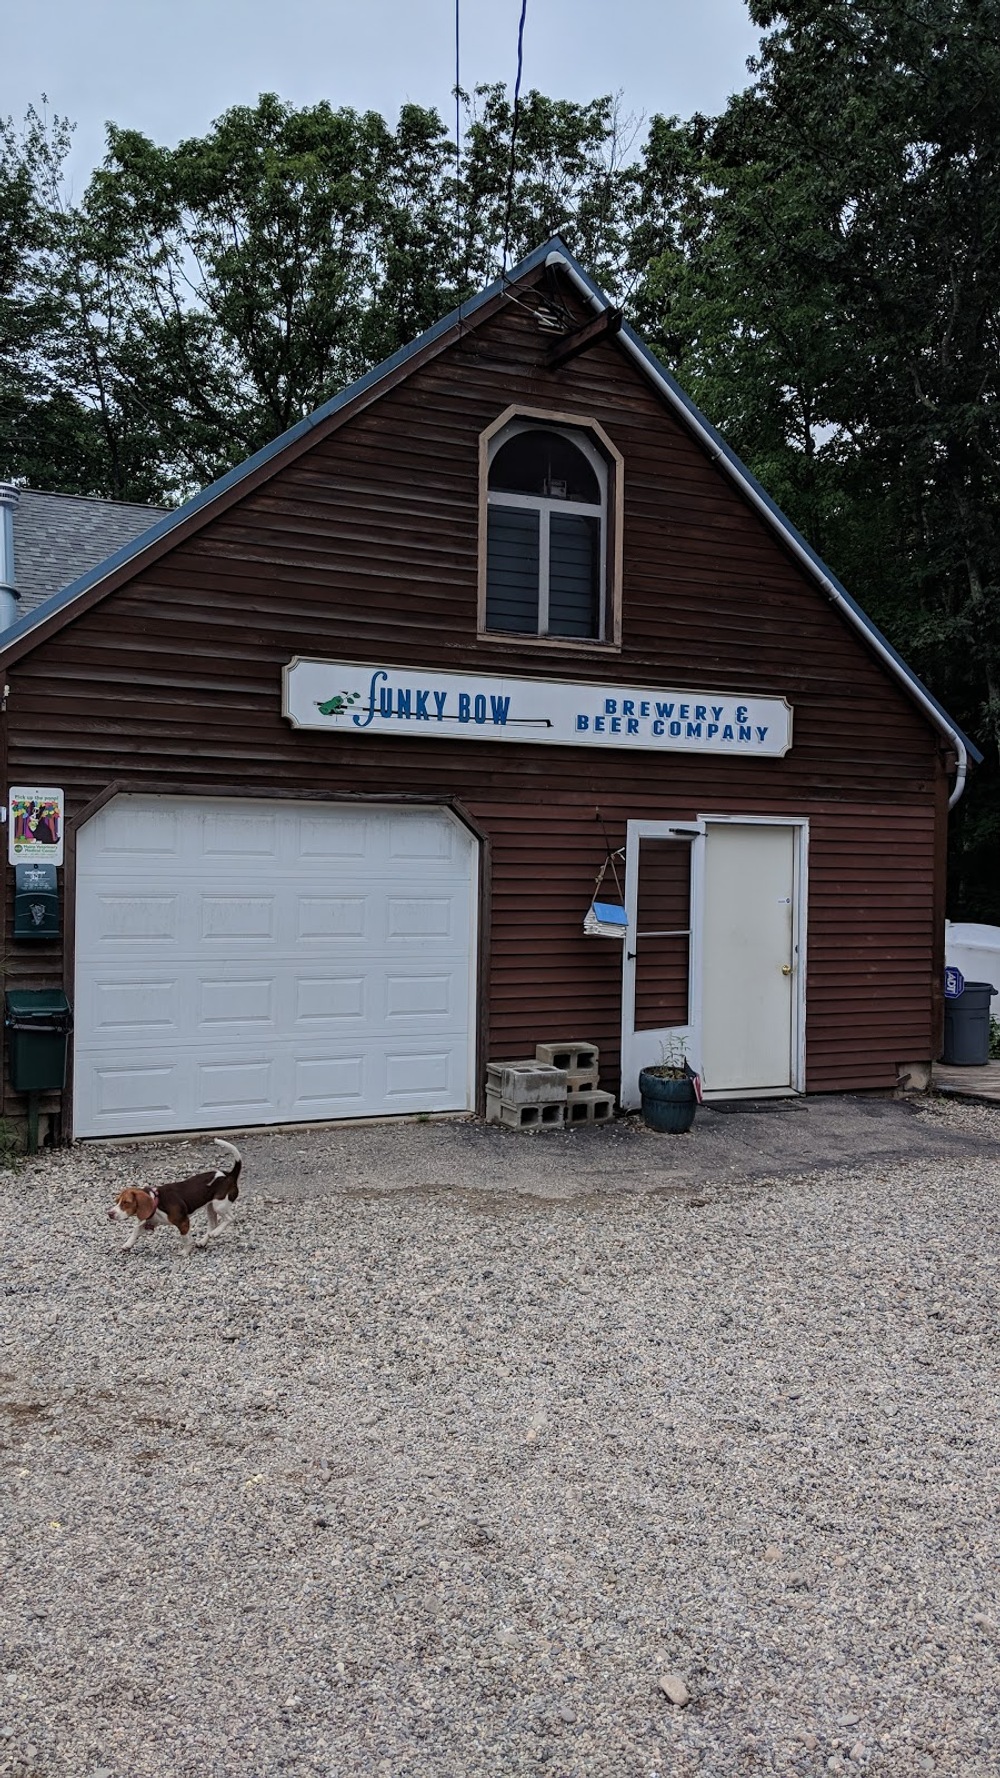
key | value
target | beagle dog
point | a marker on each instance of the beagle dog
(152, 1205)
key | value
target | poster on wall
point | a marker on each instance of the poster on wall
(34, 825)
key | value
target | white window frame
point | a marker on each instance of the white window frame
(590, 437)
(545, 505)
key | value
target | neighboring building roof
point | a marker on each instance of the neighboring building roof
(59, 537)
(552, 253)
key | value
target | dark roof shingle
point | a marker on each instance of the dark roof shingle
(58, 537)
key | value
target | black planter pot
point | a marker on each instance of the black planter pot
(667, 1105)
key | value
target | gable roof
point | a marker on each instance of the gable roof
(133, 554)
(58, 538)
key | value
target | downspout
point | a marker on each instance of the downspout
(961, 773)
(833, 593)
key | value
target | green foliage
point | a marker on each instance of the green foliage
(569, 178)
(822, 265)
(46, 434)
(202, 299)
(225, 288)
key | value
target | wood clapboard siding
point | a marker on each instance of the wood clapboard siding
(365, 547)
(662, 968)
(869, 1001)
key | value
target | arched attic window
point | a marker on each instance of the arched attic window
(546, 537)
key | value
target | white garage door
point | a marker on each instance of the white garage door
(251, 963)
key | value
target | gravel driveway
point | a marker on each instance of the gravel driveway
(443, 1483)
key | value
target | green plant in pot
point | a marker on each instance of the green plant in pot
(668, 1091)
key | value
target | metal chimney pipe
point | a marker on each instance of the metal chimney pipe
(9, 598)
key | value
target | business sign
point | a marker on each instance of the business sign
(954, 982)
(349, 698)
(34, 825)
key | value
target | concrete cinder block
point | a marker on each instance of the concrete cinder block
(574, 1055)
(526, 1083)
(585, 1080)
(525, 1117)
(590, 1108)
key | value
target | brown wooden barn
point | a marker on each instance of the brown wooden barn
(346, 742)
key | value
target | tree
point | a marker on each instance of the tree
(824, 269)
(46, 435)
(210, 295)
(569, 175)
(222, 289)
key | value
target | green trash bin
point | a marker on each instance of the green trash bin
(38, 1022)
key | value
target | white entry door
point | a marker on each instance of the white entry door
(713, 954)
(242, 962)
(750, 966)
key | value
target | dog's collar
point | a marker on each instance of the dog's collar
(151, 1192)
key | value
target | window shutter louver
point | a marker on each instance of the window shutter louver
(512, 570)
(574, 580)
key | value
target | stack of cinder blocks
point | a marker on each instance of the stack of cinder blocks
(526, 1095)
(556, 1086)
(585, 1102)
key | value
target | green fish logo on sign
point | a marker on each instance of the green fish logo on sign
(339, 704)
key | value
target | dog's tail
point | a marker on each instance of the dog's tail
(232, 1177)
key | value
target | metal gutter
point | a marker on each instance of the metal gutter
(719, 452)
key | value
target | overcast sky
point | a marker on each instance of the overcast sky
(168, 67)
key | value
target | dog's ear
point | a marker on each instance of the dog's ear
(126, 1201)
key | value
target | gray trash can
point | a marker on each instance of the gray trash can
(967, 1026)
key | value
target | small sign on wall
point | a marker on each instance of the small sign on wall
(34, 825)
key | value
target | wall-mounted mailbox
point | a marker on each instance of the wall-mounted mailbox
(36, 901)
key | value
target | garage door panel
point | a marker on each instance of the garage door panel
(235, 835)
(134, 1006)
(331, 1086)
(416, 1075)
(135, 919)
(421, 995)
(332, 917)
(258, 964)
(234, 919)
(329, 999)
(136, 834)
(224, 1002)
(242, 1087)
(421, 836)
(420, 917)
(131, 1085)
(317, 837)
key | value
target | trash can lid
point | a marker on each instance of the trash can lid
(23, 1002)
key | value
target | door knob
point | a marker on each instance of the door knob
(786, 969)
